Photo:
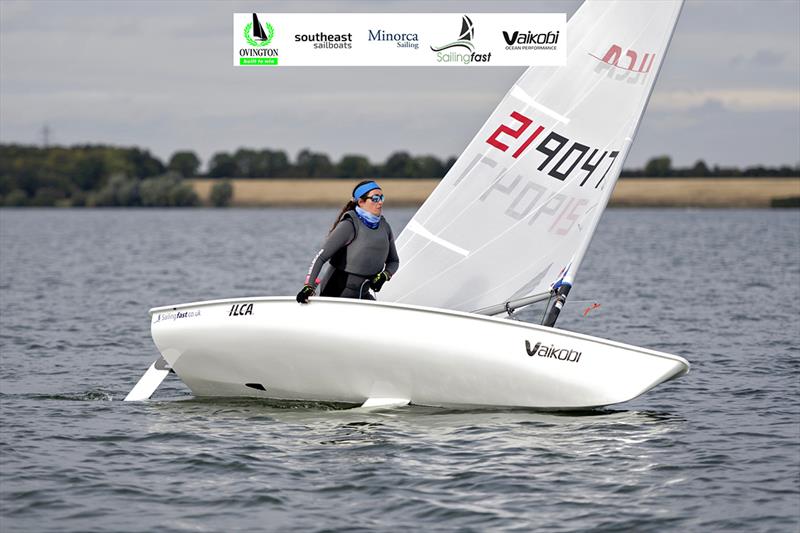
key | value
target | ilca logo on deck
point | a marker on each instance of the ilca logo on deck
(464, 41)
(259, 38)
(562, 354)
(241, 309)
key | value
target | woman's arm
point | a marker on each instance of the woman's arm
(392, 259)
(341, 236)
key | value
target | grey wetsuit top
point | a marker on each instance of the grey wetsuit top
(357, 249)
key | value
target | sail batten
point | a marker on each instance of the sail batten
(526, 195)
(520, 94)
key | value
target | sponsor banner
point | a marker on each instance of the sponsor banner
(399, 39)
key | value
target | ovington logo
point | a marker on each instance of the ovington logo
(256, 36)
(259, 38)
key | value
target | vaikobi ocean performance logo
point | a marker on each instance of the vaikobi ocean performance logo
(464, 41)
(259, 38)
(527, 40)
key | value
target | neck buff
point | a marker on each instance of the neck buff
(369, 220)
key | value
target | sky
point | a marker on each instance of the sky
(159, 75)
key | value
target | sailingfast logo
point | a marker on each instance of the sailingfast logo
(163, 317)
(562, 354)
(527, 40)
(464, 41)
(259, 38)
(401, 40)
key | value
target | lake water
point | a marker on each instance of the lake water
(717, 450)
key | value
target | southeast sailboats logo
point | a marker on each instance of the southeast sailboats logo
(258, 38)
(464, 41)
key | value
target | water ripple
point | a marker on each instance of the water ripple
(715, 450)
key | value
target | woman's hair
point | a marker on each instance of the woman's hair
(349, 206)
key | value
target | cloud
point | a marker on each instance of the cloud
(159, 75)
(759, 59)
(728, 99)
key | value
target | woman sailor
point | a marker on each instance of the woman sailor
(360, 248)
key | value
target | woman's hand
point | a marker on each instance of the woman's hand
(305, 292)
(377, 282)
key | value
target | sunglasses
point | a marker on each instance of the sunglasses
(375, 198)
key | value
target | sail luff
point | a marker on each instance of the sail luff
(581, 253)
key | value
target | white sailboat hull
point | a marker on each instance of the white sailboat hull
(339, 350)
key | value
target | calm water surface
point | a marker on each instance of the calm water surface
(717, 450)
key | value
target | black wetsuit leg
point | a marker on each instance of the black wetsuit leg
(344, 285)
(336, 284)
(357, 287)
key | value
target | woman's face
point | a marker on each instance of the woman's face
(369, 205)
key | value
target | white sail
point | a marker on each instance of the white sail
(518, 209)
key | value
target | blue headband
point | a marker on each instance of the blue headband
(364, 189)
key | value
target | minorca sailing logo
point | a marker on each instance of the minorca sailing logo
(241, 310)
(562, 354)
(259, 38)
(614, 53)
(464, 41)
(531, 41)
(401, 40)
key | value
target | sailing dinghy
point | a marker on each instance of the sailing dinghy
(507, 226)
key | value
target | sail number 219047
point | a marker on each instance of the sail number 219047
(551, 146)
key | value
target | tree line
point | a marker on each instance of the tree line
(100, 175)
(661, 167)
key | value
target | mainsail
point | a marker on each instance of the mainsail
(516, 212)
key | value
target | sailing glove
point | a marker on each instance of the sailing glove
(377, 282)
(305, 292)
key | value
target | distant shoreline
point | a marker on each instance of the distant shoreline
(629, 192)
